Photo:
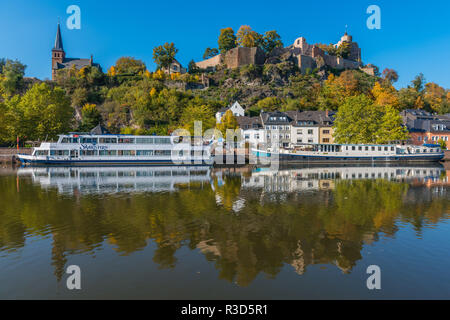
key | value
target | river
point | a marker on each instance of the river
(203, 233)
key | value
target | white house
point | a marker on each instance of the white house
(252, 130)
(235, 108)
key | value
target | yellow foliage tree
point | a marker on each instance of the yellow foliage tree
(246, 37)
(112, 71)
(175, 76)
(434, 96)
(228, 121)
(385, 95)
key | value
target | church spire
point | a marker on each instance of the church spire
(58, 40)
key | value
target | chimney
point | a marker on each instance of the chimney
(92, 59)
(326, 113)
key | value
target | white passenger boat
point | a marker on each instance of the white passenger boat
(116, 149)
(331, 153)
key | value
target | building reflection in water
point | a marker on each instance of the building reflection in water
(244, 221)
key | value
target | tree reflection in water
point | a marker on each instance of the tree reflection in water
(245, 223)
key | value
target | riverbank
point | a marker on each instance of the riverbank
(7, 155)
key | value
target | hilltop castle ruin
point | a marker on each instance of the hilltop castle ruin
(304, 55)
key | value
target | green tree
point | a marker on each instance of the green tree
(4, 123)
(42, 112)
(343, 50)
(11, 76)
(192, 67)
(442, 144)
(271, 40)
(129, 65)
(359, 120)
(227, 40)
(164, 55)
(390, 126)
(210, 52)
(90, 117)
(194, 113)
(356, 121)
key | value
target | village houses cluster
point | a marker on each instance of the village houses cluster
(292, 128)
(285, 128)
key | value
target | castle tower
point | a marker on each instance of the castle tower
(58, 54)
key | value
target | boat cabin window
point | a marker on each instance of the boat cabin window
(163, 152)
(126, 152)
(162, 140)
(353, 148)
(126, 140)
(59, 152)
(367, 148)
(379, 148)
(41, 153)
(88, 140)
(88, 152)
(107, 140)
(107, 153)
(144, 152)
(385, 148)
(373, 148)
(69, 140)
(360, 148)
(392, 148)
(144, 140)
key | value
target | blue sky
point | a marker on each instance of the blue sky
(414, 35)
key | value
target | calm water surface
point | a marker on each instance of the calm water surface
(199, 233)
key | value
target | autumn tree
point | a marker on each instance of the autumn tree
(389, 76)
(248, 38)
(228, 121)
(385, 95)
(435, 97)
(164, 55)
(227, 40)
(128, 65)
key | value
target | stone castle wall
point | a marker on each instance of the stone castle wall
(242, 56)
(209, 63)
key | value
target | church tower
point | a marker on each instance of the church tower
(58, 54)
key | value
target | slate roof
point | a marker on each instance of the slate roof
(78, 63)
(58, 40)
(419, 125)
(99, 129)
(249, 122)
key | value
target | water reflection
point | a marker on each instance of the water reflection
(246, 221)
(70, 180)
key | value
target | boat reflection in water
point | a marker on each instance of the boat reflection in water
(85, 180)
(320, 178)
